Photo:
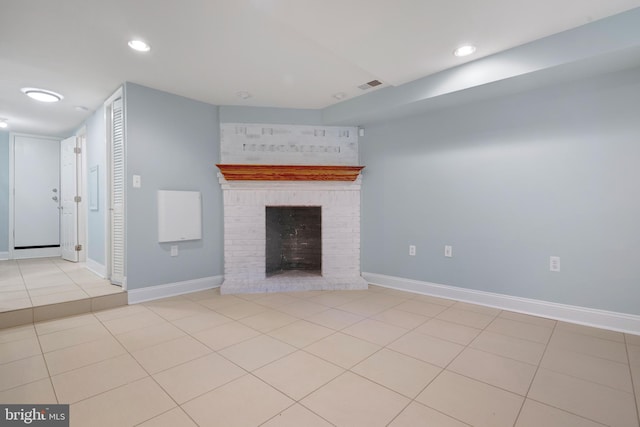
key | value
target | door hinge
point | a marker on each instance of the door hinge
(78, 248)
(77, 199)
(77, 150)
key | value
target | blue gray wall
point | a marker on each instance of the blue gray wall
(173, 144)
(509, 182)
(97, 156)
(4, 191)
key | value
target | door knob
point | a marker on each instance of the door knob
(54, 198)
(55, 190)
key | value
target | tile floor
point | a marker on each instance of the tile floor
(346, 358)
(36, 282)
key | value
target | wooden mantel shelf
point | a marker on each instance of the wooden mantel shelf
(289, 172)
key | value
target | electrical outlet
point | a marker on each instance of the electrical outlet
(554, 263)
(174, 250)
(448, 251)
(412, 250)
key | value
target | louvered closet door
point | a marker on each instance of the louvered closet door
(117, 192)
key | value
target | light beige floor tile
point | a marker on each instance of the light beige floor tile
(632, 339)
(126, 324)
(201, 321)
(50, 290)
(71, 337)
(471, 401)
(80, 355)
(301, 333)
(191, 379)
(335, 319)
(173, 418)
(333, 299)
(246, 401)
(343, 350)
(149, 336)
(590, 400)
(634, 365)
(17, 333)
(365, 306)
(466, 317)
(225, 335)
(202, 295)
(298, 374)
(302, 308)
(176, 309)
(593, 332)
(256, 352)
(268, 320)
(17, 317)
(418, 415)
(66, 323)
(428, 349)
(128, 405)
(404, 374)
(15, 304)
(37, 392)
(375, 331)
(502, 372)
(422, 308)
(106, 302)
(296, 416)
(589, 345)
(59, 297)
(62, 309)
(595, 369)
(220, 301)
(448, 331)
(434, 300)
(241, 310)
(522, 330)
(351, 400)
(88, 381)
(170, 353)
(97, 291)
(401, 318)
(16, 350)
(504, 345)
(482, 309)
(276, 300)
(535, 414)
(120, 312)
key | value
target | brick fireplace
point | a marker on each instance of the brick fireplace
(310, 171)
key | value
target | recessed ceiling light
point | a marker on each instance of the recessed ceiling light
(41, 95)
(464, 50)
(81, 108)
(3, 123)
(339, 96)
(243, 94)
(139, 45)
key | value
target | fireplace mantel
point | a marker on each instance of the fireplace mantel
(235, 172)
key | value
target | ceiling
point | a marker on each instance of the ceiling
(285, 53)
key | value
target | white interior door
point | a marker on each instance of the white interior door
(68, 200)
(36, 180)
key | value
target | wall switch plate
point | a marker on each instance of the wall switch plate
(174, 250)
(412, 250)
(448, 251)
(554, 263)
(137, 181)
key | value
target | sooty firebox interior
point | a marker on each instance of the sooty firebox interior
(294, 239)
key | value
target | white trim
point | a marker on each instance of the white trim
(36, 253)
(96, 267)
(172, 289)
(581, 315)
(4, 256)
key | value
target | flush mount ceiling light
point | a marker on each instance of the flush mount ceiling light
(139, 45)
(464, 50)
(3, 123)
(243, 94)
(41, 95)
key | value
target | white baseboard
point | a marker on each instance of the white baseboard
(96, 267)
(172, 289)
(36, 253)
(581, 315)
(4, 256)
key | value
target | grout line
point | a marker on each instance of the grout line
(635, 387)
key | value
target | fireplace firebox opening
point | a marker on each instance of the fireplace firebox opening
(293, 239)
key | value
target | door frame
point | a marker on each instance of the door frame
(23, 253)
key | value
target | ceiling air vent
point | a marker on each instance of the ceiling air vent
(369, 85)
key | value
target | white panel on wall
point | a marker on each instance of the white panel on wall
(245, 143)
(179, 215)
